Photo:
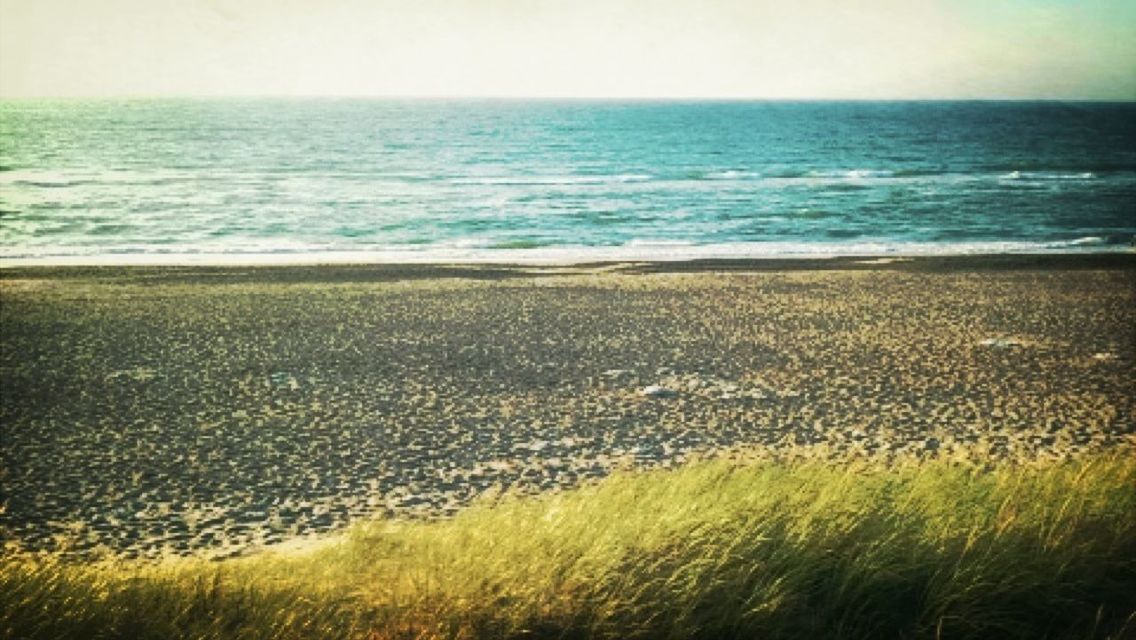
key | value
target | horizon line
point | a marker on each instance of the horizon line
(554, 98)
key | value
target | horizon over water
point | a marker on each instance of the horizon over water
(430, 180)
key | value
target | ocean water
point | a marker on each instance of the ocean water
(321, 179)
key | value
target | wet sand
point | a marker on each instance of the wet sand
(150, 410)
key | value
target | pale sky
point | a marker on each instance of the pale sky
(1051, 49)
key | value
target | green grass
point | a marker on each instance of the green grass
(749, 549)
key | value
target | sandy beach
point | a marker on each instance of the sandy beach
(150, 411)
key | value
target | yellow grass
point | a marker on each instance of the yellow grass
(720, 549)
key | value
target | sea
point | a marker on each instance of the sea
(424, 180)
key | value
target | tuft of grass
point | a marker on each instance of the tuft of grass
(717, 549)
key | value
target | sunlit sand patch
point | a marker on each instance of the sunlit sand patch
(25, 284)
(299, 546)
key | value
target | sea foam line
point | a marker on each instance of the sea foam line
(636, 251)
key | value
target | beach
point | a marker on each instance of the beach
(196, 410)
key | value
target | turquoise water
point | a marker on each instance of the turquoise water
(492, 180)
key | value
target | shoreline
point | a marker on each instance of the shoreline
(381, 271)
(661, 252)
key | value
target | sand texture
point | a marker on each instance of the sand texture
(150, 411)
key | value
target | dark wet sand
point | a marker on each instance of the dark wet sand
(209, 409)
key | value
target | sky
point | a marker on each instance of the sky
(775, 49)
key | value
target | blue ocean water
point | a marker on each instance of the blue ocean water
(498, 180)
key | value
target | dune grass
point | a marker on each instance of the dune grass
(720, 549)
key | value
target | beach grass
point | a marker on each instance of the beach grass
(746, 547)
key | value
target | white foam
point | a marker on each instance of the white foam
(550, 180)
(1048, 175)
(729, 174)
(644, 250)
(1086, 241)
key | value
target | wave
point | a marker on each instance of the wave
(918, 173)
(522, 243)
(524, 181)
(728, 174)
(1047, 175)
(1111, 240)
(53, 184)
(853, 174)
(1078, 168)
(812, 214)
(42, 179)
(867, 175)
(844, 186)
(82, 182)
(784, 173)
(827, 178)
(737, 174)
(109, 229)
(843, 233)
(719, 174)
(1086, 241)
(658, 243)
(801, 173)
(641, 249)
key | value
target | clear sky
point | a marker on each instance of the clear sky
(1057, 49)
